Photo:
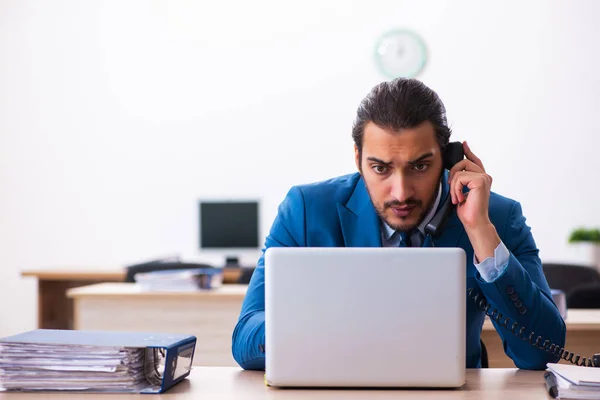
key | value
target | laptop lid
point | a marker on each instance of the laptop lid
(365, 317)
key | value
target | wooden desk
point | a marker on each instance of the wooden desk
(209, 315)
(217, 383)
(583, 337)
(55, 309)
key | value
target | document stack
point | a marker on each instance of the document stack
(187, 280)
(94, 361)
(572, 382)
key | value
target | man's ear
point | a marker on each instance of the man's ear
(357, 159)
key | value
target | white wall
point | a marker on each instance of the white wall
(115, 117)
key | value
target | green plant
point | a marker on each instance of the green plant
(585, 235)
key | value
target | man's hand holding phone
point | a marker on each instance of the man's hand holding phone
(472, 207)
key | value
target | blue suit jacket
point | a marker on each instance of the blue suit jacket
(339, 212)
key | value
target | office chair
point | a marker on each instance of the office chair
(484, 355)
(245, 276)
(566, 277)
(160, 266)
(584, 296)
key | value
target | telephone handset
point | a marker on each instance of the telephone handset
(453, 153)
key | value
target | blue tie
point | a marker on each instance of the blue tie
(412, 239)
(416, 238)
(403, 241)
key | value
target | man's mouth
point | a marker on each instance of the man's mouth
(403, 211)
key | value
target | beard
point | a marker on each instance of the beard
(418, 204)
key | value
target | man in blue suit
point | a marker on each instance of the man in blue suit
(400, 133)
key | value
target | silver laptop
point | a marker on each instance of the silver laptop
(365, 317)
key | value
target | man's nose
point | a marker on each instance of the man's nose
(402, 188)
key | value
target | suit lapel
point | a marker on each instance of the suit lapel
(359, 220)
(452, 233)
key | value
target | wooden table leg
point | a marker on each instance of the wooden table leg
(55, 309)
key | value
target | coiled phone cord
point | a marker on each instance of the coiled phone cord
(552, 348)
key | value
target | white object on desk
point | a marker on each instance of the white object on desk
(359, 317)
(578, 375)
(186, 280)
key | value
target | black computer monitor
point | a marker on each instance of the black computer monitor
(231, 226)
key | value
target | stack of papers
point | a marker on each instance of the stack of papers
(187, 280)
(59, 367)
(572, 382)
(95, 361)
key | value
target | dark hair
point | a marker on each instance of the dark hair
(401, 103)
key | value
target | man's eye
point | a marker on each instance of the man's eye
(420, 167)
(380, 169)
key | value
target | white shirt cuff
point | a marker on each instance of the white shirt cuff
(492, 268)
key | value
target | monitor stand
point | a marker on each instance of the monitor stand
(232, 262)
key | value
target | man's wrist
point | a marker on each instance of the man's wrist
(484, 239)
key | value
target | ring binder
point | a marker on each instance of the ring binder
(94, 361)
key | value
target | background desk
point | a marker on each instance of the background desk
(209, 315)
(55, 309)
(583, 337)
(232, 383)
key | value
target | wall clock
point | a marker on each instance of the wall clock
(400, 53)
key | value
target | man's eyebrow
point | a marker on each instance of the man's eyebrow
(420, 158)
(377, 160)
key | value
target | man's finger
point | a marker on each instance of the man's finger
(464, 165)
(462, 179)
(456, 185)
(458, 190)
(469, 154)
(472, 180)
